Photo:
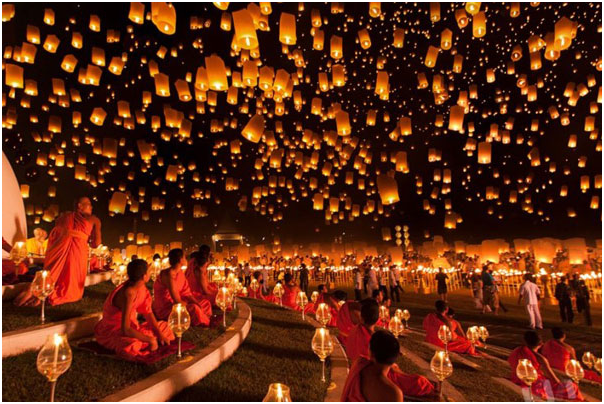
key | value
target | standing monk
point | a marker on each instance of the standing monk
(67, 254)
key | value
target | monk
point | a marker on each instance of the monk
(459, 343)
(358, 343)
(290, 292)
(67, 254)
(349, 316)
(331, 299)
(171, 287)
(197, 275)
(547, 384)
(368, 378)
(38, 244)
(119, 329)
(558, 353)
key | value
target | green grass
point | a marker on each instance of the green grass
(15, 318)
(277, 350)
(90, 377)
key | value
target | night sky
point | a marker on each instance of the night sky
(539, 211)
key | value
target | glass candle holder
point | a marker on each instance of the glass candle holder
(322, 345)
(277, 393)
(442, 368)
(444, 334)
(41, 287)
(323, 314)
(223, 299)
(54, 359)
(179, 321)
(526, 372)
(302, 301)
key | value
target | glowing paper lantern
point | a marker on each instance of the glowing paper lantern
(216, 71)
(245, 31)
(388, 189)
(163, 15)
(287, 29)
(254, 129)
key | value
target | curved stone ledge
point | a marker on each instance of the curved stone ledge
(166, 383)
(9, 292)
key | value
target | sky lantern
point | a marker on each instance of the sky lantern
(287, 29)
(335, 47)
(431, 56)
(254, 129)
(564, 32)
(399, 38)
(118, 202)
(216, 71)
(479, 24)
(245, 31)
(163, 15)
(364, 38)
(484, 153)
(473, 7)
(375, 9)
(343, 123)
(456, 117)
(13, 75)
(8, 12)
(388, 189)
(137, 13)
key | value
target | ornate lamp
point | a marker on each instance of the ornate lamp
(179, 321)
(442, 368)
(277, 393)
(322, 345)
(574, 370)
(395, 326)
(323, 314)
(278, 291)
(41, 287)
(527, 373)
(54, 359)
(302, 301)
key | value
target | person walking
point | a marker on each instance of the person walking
(476, 283)
(583, 302)
(358, 284)
(530, 295)
(304, 278)
(394, 285)
(487, 290)
(441, 284)
(372, 281)
(562, 294)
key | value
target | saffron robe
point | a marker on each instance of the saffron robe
(108, 331)
(458, 343)
(352, 387)
(344, 321)
(289, 297)
(558, 356)
(195, 286)
(542, 387)
(357, 346)
(199, 310)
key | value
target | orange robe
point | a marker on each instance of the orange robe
(542, 387)
(289, 297)
(357, 346)
(352, 387)
(558, 356)
(199, 310)
(344, 322)
(108, 331)
(67, 257)
(311, 308)
(458, 344)
(195, 286)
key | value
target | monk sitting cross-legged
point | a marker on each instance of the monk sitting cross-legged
(119, 329)
(357, 345)
(558, 353)
(290, 292)
(368, 378)
(432, 323)
(547, 385)
(171, 287)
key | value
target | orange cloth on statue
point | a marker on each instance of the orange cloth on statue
(199, 310)
(67, 257)
(458, 344)
(344, 321)
(558, 356)
(34, 247)
(195, 286)
(357, 346)
(108, 331)
(542, 387)
(352, 391)
(289, 297)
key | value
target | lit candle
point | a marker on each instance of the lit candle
(58, 341)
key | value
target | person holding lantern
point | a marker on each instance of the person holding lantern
(547, 385)
(433, 322)
(171, 287)
(558, 353)
(119, 329)
(67, 254)
(358, 346)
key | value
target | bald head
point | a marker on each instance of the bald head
(84, 206)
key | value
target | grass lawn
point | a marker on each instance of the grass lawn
(90, 377)
(15, 318)
(277, 350)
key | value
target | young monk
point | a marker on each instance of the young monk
(459, 343)
(290, 292)
(171, 287)
(67, 254)
(547, 384)
(558, 353)
(119, 329)
(368, 378)
(357, 345)
(331, 299)
(349, 315)
(197, 275)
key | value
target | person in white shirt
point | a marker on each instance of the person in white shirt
(530, 294)
(372, 283)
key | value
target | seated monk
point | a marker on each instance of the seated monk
(171, 287)
(197, 275)
(119, 329)
(349, 315)
(558, 353)
(331, 299)
(368, 378)
(459, 343)
(290, 292)
(357, 345)
(547, 384)
(37, 245)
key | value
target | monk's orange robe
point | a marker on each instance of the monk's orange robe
(311, 308)
(357, 346)
(199, 310)
(108, 331)
(344, 321)
(352, 387)
(195, 286)
(558, 356)
(289, 297)
(67, 257)
(542, 387)
(458, 344)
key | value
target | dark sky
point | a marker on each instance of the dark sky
(497, 102)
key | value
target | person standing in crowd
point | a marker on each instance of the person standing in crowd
(476, 283)
(530, 295)
(487, 289)
(441, 284)
(358, 283)
(562, 294)
(247, 274)
(383, 281)
(365, 272)
(304, 278)
(394, 285)
(265, 280)
(583, 301)
(372, 282)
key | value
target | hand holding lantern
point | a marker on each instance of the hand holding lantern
(442, 368)
(54, 359)
(179, 321)
(322, 345)
(323, 314)
(444, 334)
(526, 372)
(277, 393)
(302, 301)
(223, 298)
(41, 287)
(574, 370)
(396, 326)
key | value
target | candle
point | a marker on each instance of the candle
(178, 309)
(58, 341)
(279, 393)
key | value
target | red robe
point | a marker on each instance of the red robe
(108, 331)
(352, 387)
(558, 356)
(311, 308)
(542, 387)
(67, 257)
(195, 286)
(458, 343)
(357, 346)
(199, 310)
(344, 321)
(289, 297)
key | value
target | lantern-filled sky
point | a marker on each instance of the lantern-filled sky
(308, 121)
